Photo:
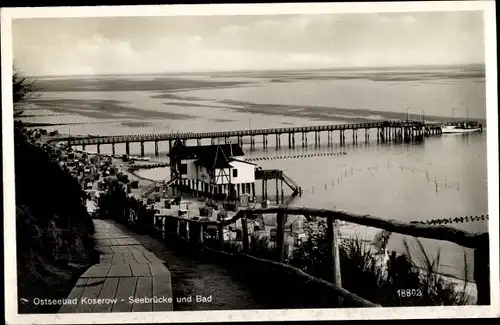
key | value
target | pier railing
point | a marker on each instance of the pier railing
(156, 184)
(249, 132)
(147, 166)
(196, 230)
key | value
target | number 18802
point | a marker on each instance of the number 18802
(408, 293)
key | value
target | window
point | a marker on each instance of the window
(235, 172)
(183, 169)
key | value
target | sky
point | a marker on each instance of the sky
(135, 45)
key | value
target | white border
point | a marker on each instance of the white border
(250, 315)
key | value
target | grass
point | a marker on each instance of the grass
(435, 288)
(363, 273)
(263, 247)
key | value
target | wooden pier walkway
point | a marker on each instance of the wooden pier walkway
(385, 131)
(128, 278)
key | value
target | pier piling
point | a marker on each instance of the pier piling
(397, 131)
(277, 192)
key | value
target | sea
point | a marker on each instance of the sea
(443, 176)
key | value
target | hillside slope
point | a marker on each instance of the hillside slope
(54, 233)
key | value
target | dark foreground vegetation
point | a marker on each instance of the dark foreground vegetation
(53, 229)
(397, 283)
(54, 233)
(114, 204)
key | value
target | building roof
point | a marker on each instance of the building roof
(243, 161)
(181, 151)
(214, 160)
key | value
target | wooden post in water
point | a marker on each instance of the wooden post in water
(244, 234)
(282, 194)
(280, 236)
(333, 247)
(277, 192)
(482, 272)
(142, 148)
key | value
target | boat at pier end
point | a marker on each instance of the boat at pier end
(461, 127)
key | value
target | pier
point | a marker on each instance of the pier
(386, 131)
(147, 166)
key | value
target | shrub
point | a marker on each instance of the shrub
(263, 247)
(116, 205)
(53, 228)
(363, 273)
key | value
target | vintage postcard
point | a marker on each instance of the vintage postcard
(198, 163)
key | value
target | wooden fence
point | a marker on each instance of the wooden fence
(198, 231)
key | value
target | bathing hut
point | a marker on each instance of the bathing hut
(212, 170)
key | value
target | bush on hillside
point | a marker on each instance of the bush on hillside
(53, 229)
(362, 273)
(263, 247)
(116, 205)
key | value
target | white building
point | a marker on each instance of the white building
(212, 170)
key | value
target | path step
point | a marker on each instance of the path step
(127, 272)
